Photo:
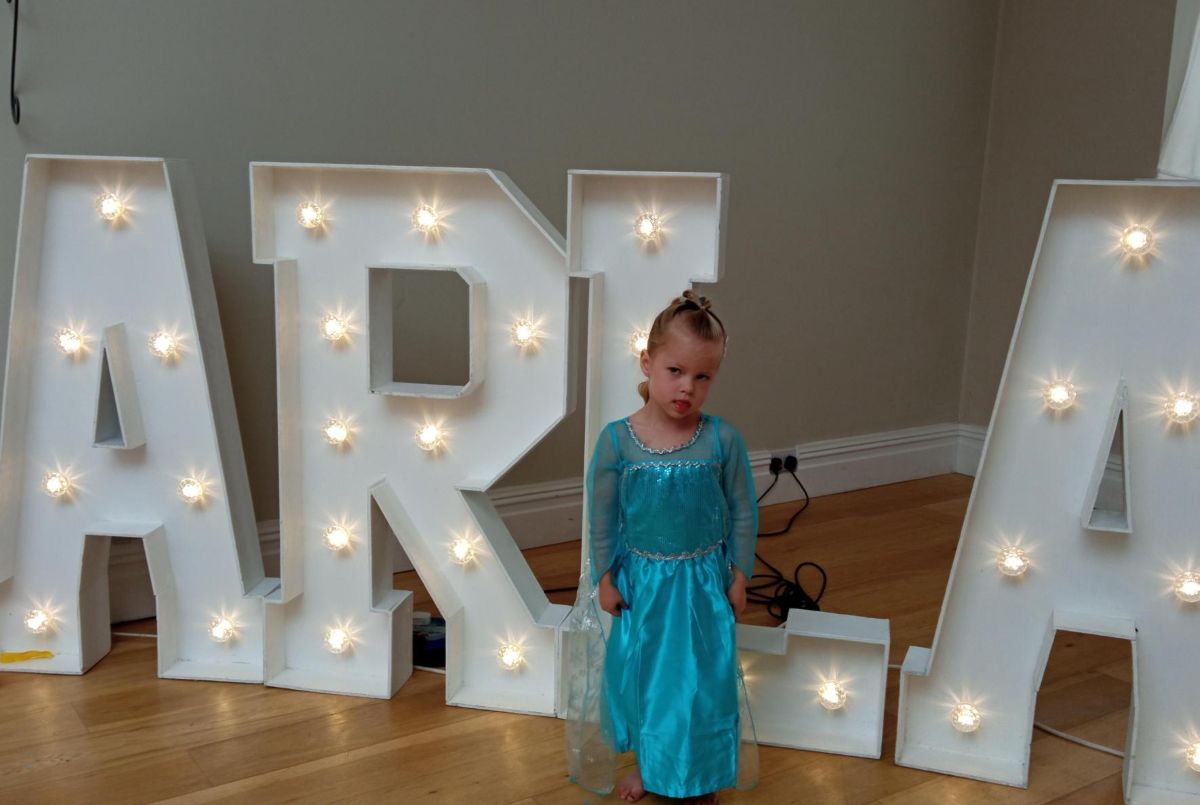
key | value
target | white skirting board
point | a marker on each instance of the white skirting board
(550, 512)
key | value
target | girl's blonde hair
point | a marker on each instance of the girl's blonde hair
(695, 313)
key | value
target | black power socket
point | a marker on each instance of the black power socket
(785, 464)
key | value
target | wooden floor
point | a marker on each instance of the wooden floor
(119, 734)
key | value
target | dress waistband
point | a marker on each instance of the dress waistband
(688, 555)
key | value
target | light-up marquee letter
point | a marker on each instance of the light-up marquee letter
(643, 238)
(369, 457)
(119, 421)
(1084, 513)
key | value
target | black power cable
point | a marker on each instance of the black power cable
(784, 593)
(14, 103)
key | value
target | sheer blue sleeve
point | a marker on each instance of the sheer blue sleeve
(738, 483)
(604, 516)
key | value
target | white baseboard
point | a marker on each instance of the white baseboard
(970, 449)
(551, 512)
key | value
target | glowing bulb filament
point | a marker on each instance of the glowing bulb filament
(429, 437)
(510, 656)
(110, 207)
(1137, 240)
(1059, 395)
(221, 630)
(68, 341)
(1193, 755)
(164, 345)
(337, 538)
(1012, 561)
(1182, 408)
(55, 484)
(426, 219)
(334, 328)
(639, 341)
(524, 333)
(1187, 587)
(337, 640)
(462, 551)
(965, 718)
(647, 226)
(37, 621)
(191, 490)
(336, 431)
(310, 215)
(832, 695)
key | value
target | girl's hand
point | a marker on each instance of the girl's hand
(610, 597)
(737, 593)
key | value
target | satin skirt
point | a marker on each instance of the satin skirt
(672, 686)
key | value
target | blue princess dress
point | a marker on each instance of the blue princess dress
(666, 684)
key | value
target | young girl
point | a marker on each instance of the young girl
(672, 523)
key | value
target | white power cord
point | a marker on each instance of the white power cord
(1059, 733)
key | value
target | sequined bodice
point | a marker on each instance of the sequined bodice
(670, 503)
(671, 507)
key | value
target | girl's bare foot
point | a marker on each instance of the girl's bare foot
(630, 788)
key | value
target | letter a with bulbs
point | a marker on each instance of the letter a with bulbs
(1084, 513)
(119, 421)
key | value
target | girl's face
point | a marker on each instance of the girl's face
(681, 372)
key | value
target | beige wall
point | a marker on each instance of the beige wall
(854, 133)
(1079, 93)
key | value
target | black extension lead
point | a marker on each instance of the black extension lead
(784, 593)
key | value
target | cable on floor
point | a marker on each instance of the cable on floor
(1068, 737)
(777, 592)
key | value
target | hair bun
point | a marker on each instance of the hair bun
(701, 302)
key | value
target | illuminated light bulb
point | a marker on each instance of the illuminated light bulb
(1059, 395)
(1187, 587)
(164, 345)
(191, 490)
(55, 484)
(1182, 408)
(832, 695)
(510, 656)
(334, 328)
(429, 437)
(336, 538)
(647, 226)
(965, 718)
(1137, 240)
(38, 621)
(68, 341)
(1012, 561)
(462, 552)
(426, 219)
(336, 431)
(1193, 755)
(222, 630)
(110, 207)
(337, 640)
(310, 215)
(524, 333)
(639, 341)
